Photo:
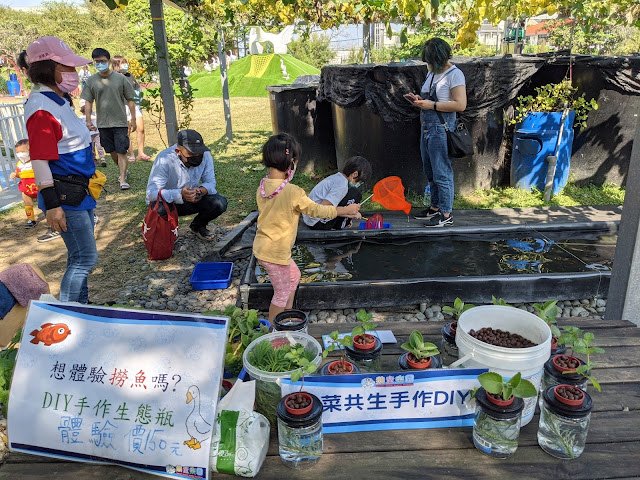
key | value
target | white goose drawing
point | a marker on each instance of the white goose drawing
(197, 427)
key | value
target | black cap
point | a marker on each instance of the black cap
(192, 141)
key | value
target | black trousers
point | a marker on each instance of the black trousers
(207, 209)
(353, 196)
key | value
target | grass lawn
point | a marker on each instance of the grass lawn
(241, 84)
(238, 169)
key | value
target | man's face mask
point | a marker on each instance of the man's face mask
(192, 161)
(101, 66)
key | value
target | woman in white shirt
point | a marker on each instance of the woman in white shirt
(442, 95)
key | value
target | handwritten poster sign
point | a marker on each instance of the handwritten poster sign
(130, 387)
(393, 401)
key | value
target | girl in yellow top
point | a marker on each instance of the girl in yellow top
(280, 204)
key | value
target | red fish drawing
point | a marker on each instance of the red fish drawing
(50, 333)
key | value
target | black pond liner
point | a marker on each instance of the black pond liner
(514, 288)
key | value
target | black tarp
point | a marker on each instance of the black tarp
(492, 82)
(371, 118)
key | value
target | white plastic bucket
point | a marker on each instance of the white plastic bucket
(473, 353)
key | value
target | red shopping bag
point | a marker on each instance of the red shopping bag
(160, 232)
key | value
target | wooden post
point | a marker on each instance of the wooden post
(366, 42)
(623, 302)
(225, 85)
(166, 84)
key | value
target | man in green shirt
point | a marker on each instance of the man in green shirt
(111, 91)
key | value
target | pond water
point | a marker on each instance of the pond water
(473, 255)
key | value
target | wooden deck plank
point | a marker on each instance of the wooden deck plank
(613, 444)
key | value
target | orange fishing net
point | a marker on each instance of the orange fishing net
(389, 192)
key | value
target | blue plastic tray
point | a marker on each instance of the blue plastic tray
(384, 225)
(210, 276)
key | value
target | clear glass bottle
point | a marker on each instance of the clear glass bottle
(300, 434)
(562, 431)
(496, 428)
(448, 347)
(292, 321)
(553, 375)
(368, 361)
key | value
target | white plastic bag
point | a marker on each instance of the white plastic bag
(241, 436)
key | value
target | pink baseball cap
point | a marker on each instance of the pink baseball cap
(52, 48)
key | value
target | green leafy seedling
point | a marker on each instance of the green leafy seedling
(516, 386)
(500, 301)
(459, 307)
(583, 345)
(298, 357)
(338, 343)
(365, 323)
(418, 347)
(548, 312)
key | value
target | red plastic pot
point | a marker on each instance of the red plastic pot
(360, 346)
(554, 343)
(453, 327)
(348, 367)
(418, 365)
(498, 401)
(566, 401)
(564, 369)
(299, 411)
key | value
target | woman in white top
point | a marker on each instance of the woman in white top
(442, 95)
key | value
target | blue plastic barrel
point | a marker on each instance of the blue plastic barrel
(13, 87)
(535, 139)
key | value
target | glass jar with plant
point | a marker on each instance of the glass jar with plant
(266, 362)
(366, 348)
(448, 342)
(420, 354)
(342, 366)
(244, 328)
(299, 417)
(564, 421)
(581, 342)
(499, 404)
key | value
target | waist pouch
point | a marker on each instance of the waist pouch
(71, 189)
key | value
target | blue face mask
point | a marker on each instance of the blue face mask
(101, 66)
(356, 185)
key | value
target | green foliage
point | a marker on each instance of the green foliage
(459, 307)
(83, 27)
(7, 365)
(299, 357)
(508, 197)
(338, 343)
(500, 301)
(581, 342)
(313, 50)
(516, 386)
(244, 328)
(264, 356)
(412, 48)
(554, 97)
(478, 50)
(548, 312)
(588, 38)
(418, 347)
(365, 323)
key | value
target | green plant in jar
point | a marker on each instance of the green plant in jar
(581, 342)
(417, 347)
